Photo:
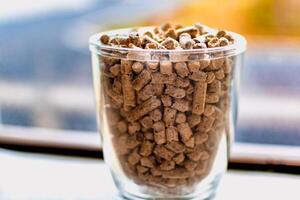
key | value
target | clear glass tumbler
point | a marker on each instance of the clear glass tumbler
(166, 135)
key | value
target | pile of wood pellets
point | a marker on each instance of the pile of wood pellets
(166, 118)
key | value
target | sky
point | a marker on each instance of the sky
(15, 9)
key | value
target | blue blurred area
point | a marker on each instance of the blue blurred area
(33, 50)
(269, 134)
(268, 69)
(270, 97)
(16, 116)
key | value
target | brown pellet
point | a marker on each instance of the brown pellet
(175, 146)
(146, 122)
(166, 67)
(156, 172)
(170, 43)
(186, 41)
(180, 117)
(158, 126)
(193, 120)
(204, 61)
(223, 42)
(134, 158)
(199, 98)
(164, 153)
(206, 124)
(214, 87)
(117, 86)
(172, 134)
(167, 165)
(149, 135)
(195, 156)
(141, 170)
(137, 67)
(201, 168)
(144, 108)
(118, 98)
(200, 138)
(220, 74)
(146, 92)
(210, 77)
(181, 105)
(152, 66)
(209, 110)
(133, 127)
(122, 126)
(158, 78)
(147, 162)
(198, 76)
(190, 142)
(190, 165)
(182, 82)
(212, 98)
(165, 26)
(181, 69)
(171, 33)
(192, 31)
(169, 116)
(184, 131)
(177, 173)
(128, 91)
(141, 80)
(179, 158)
(146, 148)
(158, 89)
(160, 137)
(114, 70)
(194, 66)
(104, 39)
(156, 115)
(166, 100)
(175, 92)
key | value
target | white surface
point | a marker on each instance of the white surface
(31, 176)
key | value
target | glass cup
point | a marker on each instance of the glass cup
(166, 117)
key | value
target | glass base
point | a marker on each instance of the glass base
(205, 192)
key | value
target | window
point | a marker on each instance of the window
(45, 72)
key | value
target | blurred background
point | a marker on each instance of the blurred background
(45, 69)
(47, 103)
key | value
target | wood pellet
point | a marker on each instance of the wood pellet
(167, 115)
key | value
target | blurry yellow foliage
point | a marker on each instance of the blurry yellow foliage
(250, 17)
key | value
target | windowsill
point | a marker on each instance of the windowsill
(90, 144)
(52, 138)
(34, 176)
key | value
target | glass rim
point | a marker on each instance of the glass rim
(239, 46)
